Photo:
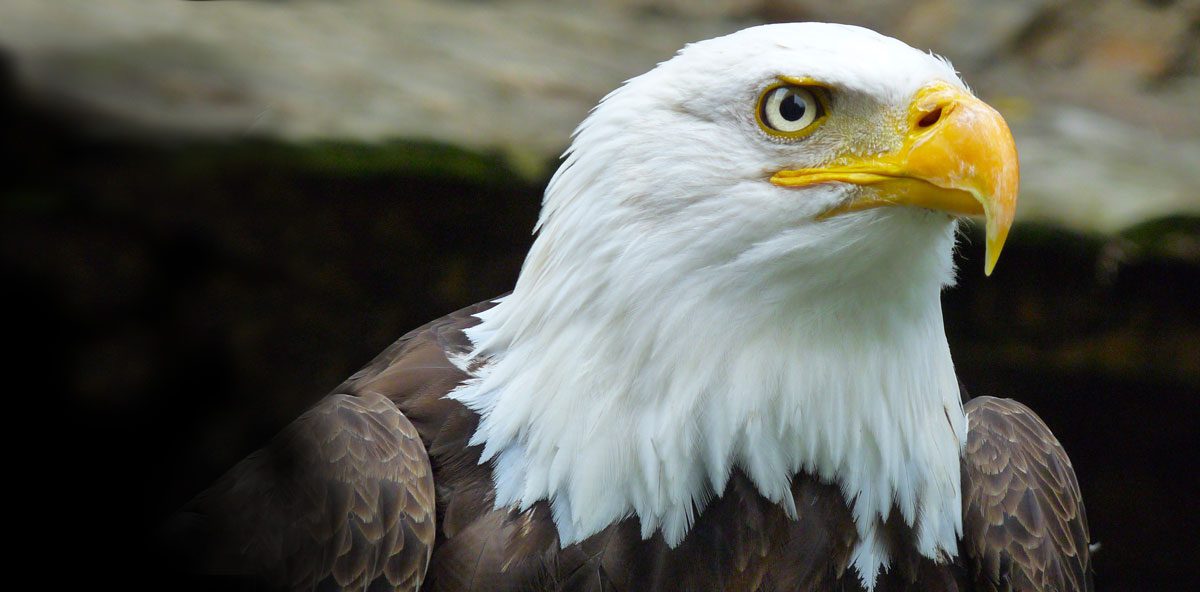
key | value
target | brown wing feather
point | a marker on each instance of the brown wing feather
(342, 498)
(1024, 526)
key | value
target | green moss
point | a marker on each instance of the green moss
(29, 201)
(353, 160)
(1172, 237)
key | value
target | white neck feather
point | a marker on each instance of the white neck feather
(638, 397)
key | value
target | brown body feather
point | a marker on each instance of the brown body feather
(343, 500)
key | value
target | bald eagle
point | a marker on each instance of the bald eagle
(723, 365)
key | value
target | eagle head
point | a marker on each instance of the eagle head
(782, 145)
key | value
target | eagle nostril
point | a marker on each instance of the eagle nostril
(930, 118)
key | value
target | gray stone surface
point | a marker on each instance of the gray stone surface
(1101, 95)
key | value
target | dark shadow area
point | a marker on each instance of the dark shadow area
(177, 303)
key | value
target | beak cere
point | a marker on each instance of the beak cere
(958, 157)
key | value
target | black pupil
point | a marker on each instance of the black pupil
(792, 108)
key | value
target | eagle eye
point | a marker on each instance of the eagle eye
(790, 110)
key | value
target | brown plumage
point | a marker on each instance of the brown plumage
(343, 499)
(1024, 526)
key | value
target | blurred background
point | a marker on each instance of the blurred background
(213, 212)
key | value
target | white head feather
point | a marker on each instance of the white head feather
(678, 315)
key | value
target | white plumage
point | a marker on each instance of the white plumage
(678, 315)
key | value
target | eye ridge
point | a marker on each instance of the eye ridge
(790, 111)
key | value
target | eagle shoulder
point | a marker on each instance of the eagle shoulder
(344, 496)
(1024, 525)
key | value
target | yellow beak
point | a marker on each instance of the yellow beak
(958, 157)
